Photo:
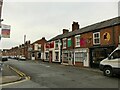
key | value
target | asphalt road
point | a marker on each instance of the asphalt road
(48, 75)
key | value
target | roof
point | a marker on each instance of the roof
(90, 28)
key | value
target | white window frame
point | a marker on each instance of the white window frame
(64, 44)
(57, 44)
(76, 41)
(96, 38)
(36, 46)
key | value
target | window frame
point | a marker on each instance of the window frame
(96, 38)
(64, 43)
(57, 44)
(67, 42)
(76, 41)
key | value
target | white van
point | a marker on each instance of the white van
(111, 65)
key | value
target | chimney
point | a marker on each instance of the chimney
(65, 31)
(43, 38)
(75, 26)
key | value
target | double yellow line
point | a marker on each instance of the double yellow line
(21, 74)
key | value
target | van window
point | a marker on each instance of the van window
(116, 54)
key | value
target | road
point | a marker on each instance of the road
(48, 75)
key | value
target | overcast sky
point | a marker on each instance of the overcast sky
(38, 18)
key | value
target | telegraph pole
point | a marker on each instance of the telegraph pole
(24, 46)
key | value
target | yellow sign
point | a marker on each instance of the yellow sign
(106, 36)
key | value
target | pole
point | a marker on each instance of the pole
(24, 45)
(1, 3)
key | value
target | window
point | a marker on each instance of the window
(116, 54)
(47, 55)
(80, 56)
(69, 42)
(65, 56)
(56, 44)
(64, 43)
(77, 41)
(96, 38)
(39, 47)
(36, 46)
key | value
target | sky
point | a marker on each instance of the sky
(47, 18)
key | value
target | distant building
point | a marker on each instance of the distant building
(37, 49)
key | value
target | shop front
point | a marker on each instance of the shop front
(81, 57)
(99, 53)
(68, 57)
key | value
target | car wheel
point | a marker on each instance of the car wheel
(108, 71)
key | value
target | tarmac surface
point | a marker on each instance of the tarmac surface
(9, 75)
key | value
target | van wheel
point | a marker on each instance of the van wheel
(108, 71)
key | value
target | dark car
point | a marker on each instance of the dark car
(4, 58)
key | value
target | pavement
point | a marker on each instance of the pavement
(8, 76)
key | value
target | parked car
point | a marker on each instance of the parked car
(4, 58)
(111, 65)
(22, 58)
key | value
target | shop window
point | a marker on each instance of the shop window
(77, 41)
(96, 38)
(80, 56)
(100, 54)
(65, 56)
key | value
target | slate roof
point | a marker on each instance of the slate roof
(90, 28)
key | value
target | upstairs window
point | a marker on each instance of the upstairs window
(56, 44)
(64, 43)
(69, 42)
(77, 41)
(96, 38)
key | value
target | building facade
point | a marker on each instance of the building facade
(36, 49)
(84, 47)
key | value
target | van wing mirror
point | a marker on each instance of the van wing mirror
(110, 57)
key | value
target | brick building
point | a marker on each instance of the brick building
(89, 45)
(85, 46)
(37, 51)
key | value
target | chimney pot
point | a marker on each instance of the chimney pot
(75, 26)
(65, 31)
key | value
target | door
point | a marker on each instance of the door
(86, 59)
(70, 58)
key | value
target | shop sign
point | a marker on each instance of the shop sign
(106, 36)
